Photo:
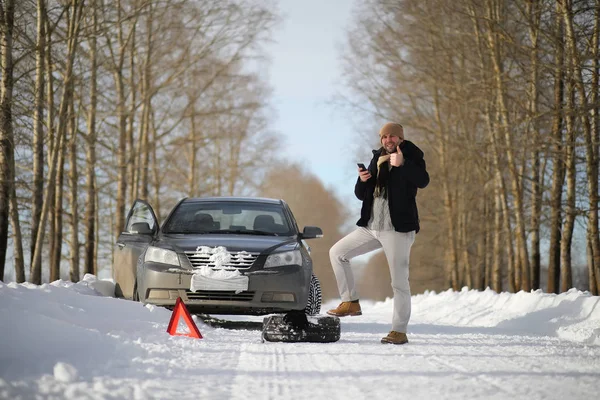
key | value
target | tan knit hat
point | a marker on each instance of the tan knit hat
(392, 129)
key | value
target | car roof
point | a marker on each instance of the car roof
(263, 200)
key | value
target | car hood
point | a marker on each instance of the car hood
(249, 243)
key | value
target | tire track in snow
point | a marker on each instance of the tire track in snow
(473, 345)
(483, 377)
(286, 370)
(260, 373)
(517, 366)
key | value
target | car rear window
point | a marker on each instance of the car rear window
(228, 217)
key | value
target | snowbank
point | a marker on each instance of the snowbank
(75, 341)
(573, 315)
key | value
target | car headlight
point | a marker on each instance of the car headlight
(285, 258)
(164, 256)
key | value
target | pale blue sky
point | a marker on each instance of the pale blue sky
(305, 73)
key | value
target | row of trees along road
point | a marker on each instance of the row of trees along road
(103, 102)
(503, 97)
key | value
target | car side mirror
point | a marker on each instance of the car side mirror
(141, 228)
(311, 232)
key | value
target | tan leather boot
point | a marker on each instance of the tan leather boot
(395, 338)
(346, 308)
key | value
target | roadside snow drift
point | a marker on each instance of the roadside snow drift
(72, 341)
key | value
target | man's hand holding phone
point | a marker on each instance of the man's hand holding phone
(363, 173)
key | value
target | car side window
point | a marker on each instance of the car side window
(140, 213)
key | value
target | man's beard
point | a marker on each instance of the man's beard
(393, 149)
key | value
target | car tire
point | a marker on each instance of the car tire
(313, 304)
(118, 291)
(321, 329)
(135, 296)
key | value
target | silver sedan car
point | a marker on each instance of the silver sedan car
(220, 255)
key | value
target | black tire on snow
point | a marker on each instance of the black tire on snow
(135, 296)
(313, 304)
(118, 291)
(320, 329)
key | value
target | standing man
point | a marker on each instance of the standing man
(388, 219)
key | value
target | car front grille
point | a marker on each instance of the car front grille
(219, 295)
(238, 260)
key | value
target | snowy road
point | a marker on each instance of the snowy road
(441, 363)
(467, 345)
(441, 366)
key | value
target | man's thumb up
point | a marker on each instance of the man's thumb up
(397, 159)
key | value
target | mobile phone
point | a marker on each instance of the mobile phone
(361, 166)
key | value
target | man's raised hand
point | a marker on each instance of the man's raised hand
(397, 159)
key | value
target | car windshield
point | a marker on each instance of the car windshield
(229, 217)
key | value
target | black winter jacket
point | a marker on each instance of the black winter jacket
(402, 187)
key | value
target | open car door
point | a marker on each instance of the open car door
(141, 228)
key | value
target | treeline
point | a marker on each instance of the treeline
(103, 102)
(503, 96)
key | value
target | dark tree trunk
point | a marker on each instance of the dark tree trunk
(7, 161)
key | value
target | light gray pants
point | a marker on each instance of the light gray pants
(396, 246)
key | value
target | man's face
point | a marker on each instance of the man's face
(390, 143)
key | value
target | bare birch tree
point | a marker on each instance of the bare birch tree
(591, 155)
(89, 265)
(38, 134)
(558, 147)
(7, 163)
(73, 198)
(73, 32)
(593, 264)
(533, 16)
(124, 20)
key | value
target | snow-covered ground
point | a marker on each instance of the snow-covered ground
(74, 341)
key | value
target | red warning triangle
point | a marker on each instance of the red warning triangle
(181, 310)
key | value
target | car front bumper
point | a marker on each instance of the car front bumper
(278, 289)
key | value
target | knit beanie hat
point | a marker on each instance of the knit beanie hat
(392, 129)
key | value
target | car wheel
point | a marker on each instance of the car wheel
(118, 291)
(313, 305)
(136, 296)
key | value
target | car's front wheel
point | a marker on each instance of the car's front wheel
(136, 296)
(313, 305)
